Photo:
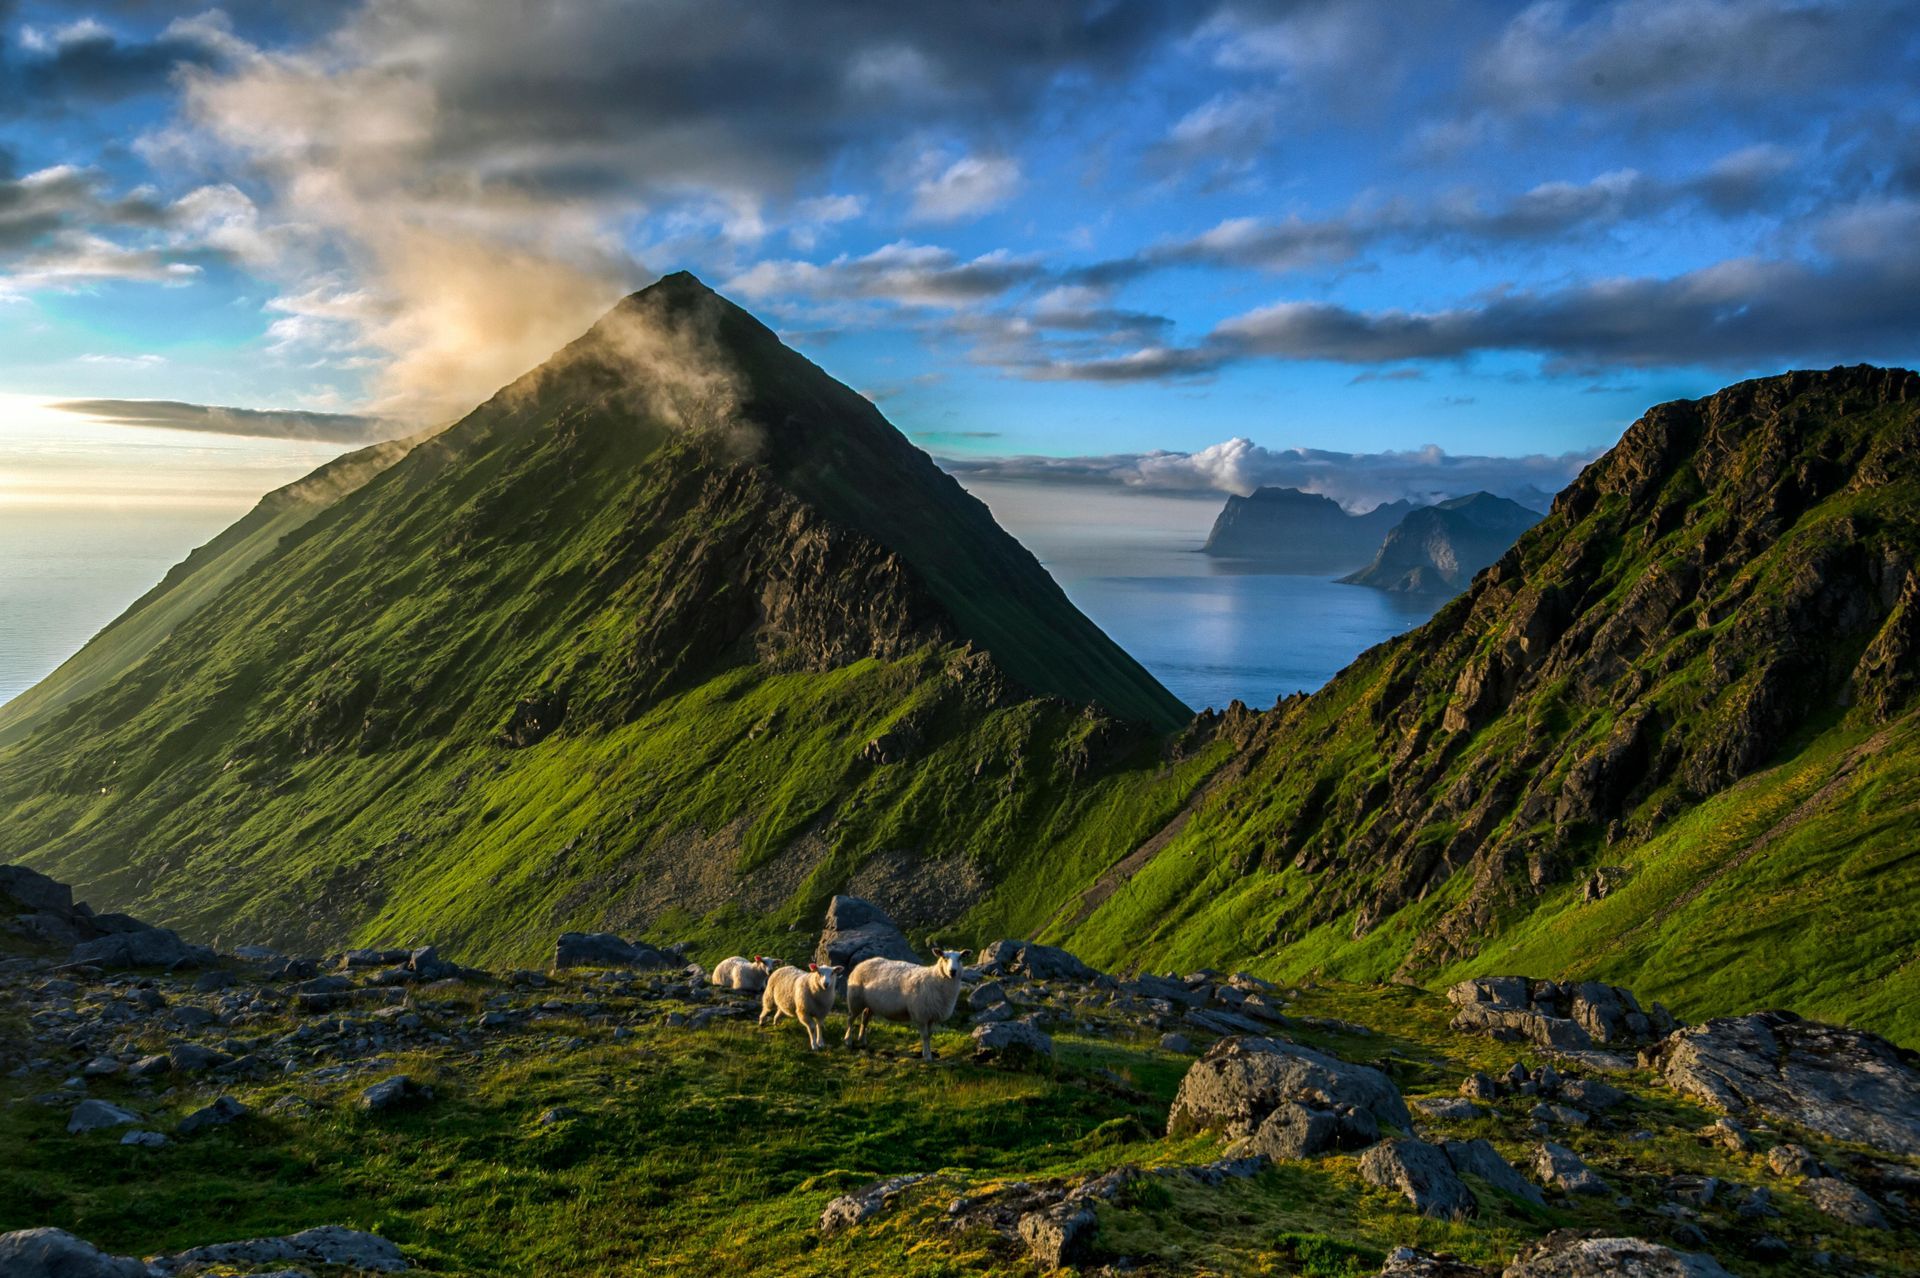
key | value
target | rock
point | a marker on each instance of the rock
(856, 930)
(1591, 1094)
(1560, 1167)
(604, 949)
(1842, 1083)
(1480, 1086)
(852, 1209)
(192, 1058)
(145, 1140)
(1242, 1080)
(149, 947)
(1792, 1160)
(55, 1253)
(1567, 1253)
(150, 1066)
(221, 1113)
(985, 995)
(100, 1067)
(1729, 1135)
(1423, 1173)
(324, 1245)
(1059, 1235)
(1448, 1108)
(1294, 1131)
(1558, 1115)
(1409, 1262)
(1568, 1018)
(1035, 961)
(1010, 1040)
(392, 1092)
(1478, 1158)
(1847, 1203)
(34, 892)
(1167, 989)
(97, 1115)
(1176, 1043)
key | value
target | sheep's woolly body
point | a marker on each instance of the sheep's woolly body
(805, 996)
(921, 996)
(738, 973)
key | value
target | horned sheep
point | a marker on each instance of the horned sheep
(921, 996)
(745, 974)
(806, 996)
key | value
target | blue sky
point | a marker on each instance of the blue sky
(1064, 228)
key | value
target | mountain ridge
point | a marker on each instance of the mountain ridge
(1437, 549)
(1290, 530)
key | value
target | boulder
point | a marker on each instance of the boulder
(192, 1058)
(223, 1112)
(604, 949)
(1242, 1080)
(1035, 961)
(149, 947)
(1059, 1235)
(1012, 1041)
(1478, 1158)
(349, 1249)
(55, 1253)
(1294, 1130)
(1453, 1109)
(1560, 1167)
(98, 1115)
(392, 1092)
(34, 893)
(1568, 1018)
(1568, 1253)
(1590, 1094)
(1792, 1160)
(1410, 1262)
(1842, 1083)
(1846, 1203)
(857, 930)
(852, 1209)
(1423, 1173)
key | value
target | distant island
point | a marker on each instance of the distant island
(1436, 550)
(1289, 531)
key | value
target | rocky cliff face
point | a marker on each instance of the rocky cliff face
(1288, 531)
(1437, 549)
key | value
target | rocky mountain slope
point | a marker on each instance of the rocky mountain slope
(657, 628)
(1668, 739)
(1289, 531)
(1437, 549)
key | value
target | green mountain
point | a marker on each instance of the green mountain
(1437, 549)
(1669, 739)
(649, 633)
(677, 636)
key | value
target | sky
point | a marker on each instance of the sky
(1372, 248)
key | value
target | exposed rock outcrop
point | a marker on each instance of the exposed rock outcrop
(1241, 1081)
(1842, 1083)
(1567, 1253)
(1570, 1016)
(856, 930)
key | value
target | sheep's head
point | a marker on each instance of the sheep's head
(951, 963)
(766, 963)
(828, 975)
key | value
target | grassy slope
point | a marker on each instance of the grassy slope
(190, 585)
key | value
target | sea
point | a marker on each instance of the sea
(1211, 632)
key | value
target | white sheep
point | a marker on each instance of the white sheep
(899, 991)
(806, 996)
(746, 974)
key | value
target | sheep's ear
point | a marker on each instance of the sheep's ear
(813, 967)
(964, 953)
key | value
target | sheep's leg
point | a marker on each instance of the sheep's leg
(926, 1041)
(816, 1033)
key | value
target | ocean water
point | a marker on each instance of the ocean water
(1210, 632)
(65, 572)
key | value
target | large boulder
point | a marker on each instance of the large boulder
(55, 1253)
(349, 1249)
(604, 949)
(146, 947)
(857, 930)
(1240, 1081)
(98, 1115)
(1844, 1202)
(1423, 1173)
(1568, 1253)
(1036, 961)
(1562, 1168)
(34, 893)
(1842, 1083)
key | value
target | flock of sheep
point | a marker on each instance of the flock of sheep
(892, 989)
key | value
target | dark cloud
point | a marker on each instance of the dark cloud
(337, 428)
(51, 71)
(1356, 480)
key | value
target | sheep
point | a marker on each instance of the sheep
(805, 996)
(900, 991)
(747, 975)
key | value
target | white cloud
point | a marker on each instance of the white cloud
(968, 187)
